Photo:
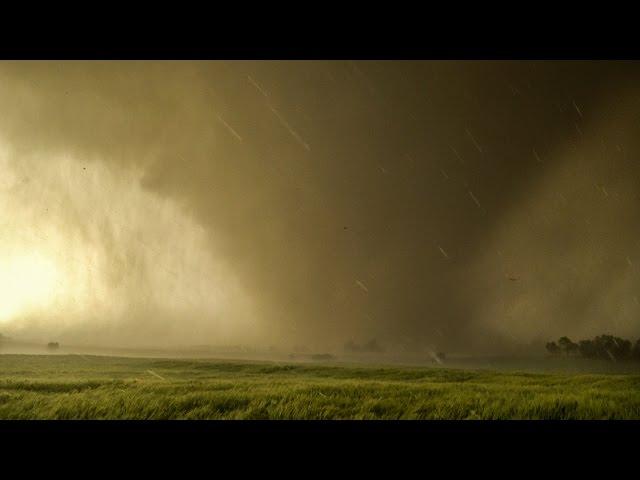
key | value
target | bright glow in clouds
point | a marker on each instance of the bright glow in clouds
(87, 255)
(27, 281)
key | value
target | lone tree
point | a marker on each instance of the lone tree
(53, 345)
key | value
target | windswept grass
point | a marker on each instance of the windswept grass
(91, 387)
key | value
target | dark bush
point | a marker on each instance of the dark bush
(372, 346)
(322, 356)
(552, 348)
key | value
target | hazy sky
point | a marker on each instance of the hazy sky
(462, 205)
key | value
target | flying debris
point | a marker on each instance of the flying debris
(436, 357)
(564, 199)
(362, 286)
(231, 130)
(330, 76)
(473, 140)
(444, 254)
(513, 278)
(444, 174)
(258, 87)
(629, 262)
(277, 114)
(535, 154)
(577, 108)
(455, 152)
(602, 189)
(512, 337)
(362, 75)
(288, 127)
(514, 90)
(475, 199)
(151, 372)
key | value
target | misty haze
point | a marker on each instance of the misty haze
(304, 215)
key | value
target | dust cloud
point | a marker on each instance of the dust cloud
(460, 206)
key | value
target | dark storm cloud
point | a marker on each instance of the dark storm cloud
(361, 199)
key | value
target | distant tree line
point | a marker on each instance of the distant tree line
(605, 347)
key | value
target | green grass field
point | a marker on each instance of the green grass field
(95, 387)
